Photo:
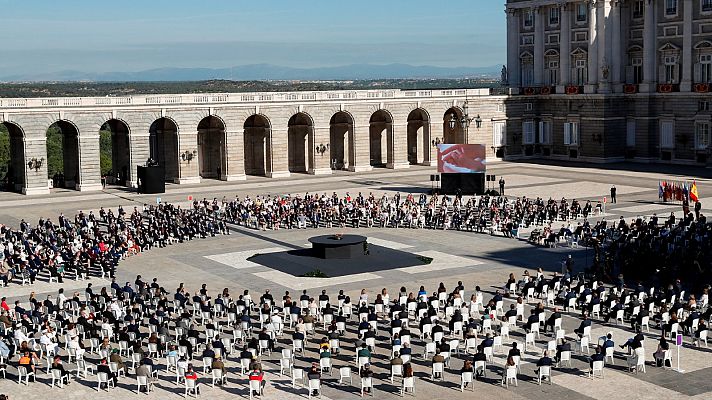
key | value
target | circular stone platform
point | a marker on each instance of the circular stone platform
(338, 247)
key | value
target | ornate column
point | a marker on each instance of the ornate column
(139, 150)
(234, 157)
(649, 48)
(361, 146)
(616, 47)
(36, 181)
(188, 170)
(279, 152)
(538, 46)
(605, 53)
(565, 48)
(398, 147)
(321, 163)
(513, 63)
(593, 38)
(687, 63)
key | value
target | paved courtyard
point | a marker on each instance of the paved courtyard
(475, 259)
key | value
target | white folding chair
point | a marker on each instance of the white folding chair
(143, 381)
(396, 370)
(325, 365)
(408, 384)
(438, 371)
(544, 373)
(314, 385)
(367, 383)
(466, 379)
(192, 386)
(297, 377)
(58, 379)
(345, 372)
(256, 387)
(597, 368)
(510, 376)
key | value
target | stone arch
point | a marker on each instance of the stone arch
(381, 138)
(453, 131)
(119, 131)
(300, 142)
(418, 137)
(163, 145)
(212, 160)
(12, 170)
(63, 154)
(258, 142)
(341, 140)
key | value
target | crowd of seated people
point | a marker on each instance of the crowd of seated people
(645, 248)
(94, 245)
(476, 213)
(141, 328)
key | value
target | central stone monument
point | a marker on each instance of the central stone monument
(338, 246)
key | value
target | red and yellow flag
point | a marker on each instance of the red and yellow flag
(694, 196)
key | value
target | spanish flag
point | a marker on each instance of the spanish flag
(693, 192)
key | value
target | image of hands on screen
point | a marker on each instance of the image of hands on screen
(461, 158)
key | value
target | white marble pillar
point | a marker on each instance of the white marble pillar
(593, 38)
(565, 48)
(513, 62)
(687, 62)
(539, 46)
(616, 46)
(649, 49)
(605, 54)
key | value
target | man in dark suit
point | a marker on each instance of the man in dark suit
(585, 323)
(486, 342)
(514, 351)
(545, 361)
(562, 347)
(597, 357)
(552, 319)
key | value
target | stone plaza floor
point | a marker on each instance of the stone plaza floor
(474, 259)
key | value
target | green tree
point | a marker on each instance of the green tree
(105, 161)
(55, 156)
(4, 151)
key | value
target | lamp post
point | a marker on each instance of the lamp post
(465, 121)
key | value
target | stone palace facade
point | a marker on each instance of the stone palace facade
(229, 137)
(609, 80)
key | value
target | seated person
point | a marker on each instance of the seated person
(544, 361)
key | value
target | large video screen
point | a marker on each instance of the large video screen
(461, 158)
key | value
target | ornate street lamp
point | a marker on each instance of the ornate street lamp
(188, 155)
(321, 148)
(35, 164)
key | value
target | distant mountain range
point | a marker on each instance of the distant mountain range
(266, 72)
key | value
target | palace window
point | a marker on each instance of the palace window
(669, 70)
(639, 8)
(667, 135)
(706, 5)
(580, 72)
(528, 132)
(702, 135)
(554, 15)
(528, 18)
(571, 133)
(551, 73)
(670, 7)
(527, 69)
(544, 132)
(637, 67)
(703, 69)
(582, 12)
(498, 133)
(630, 133)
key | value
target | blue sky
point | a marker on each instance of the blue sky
(128, 35)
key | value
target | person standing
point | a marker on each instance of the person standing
(501, 186)
(613, 194)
